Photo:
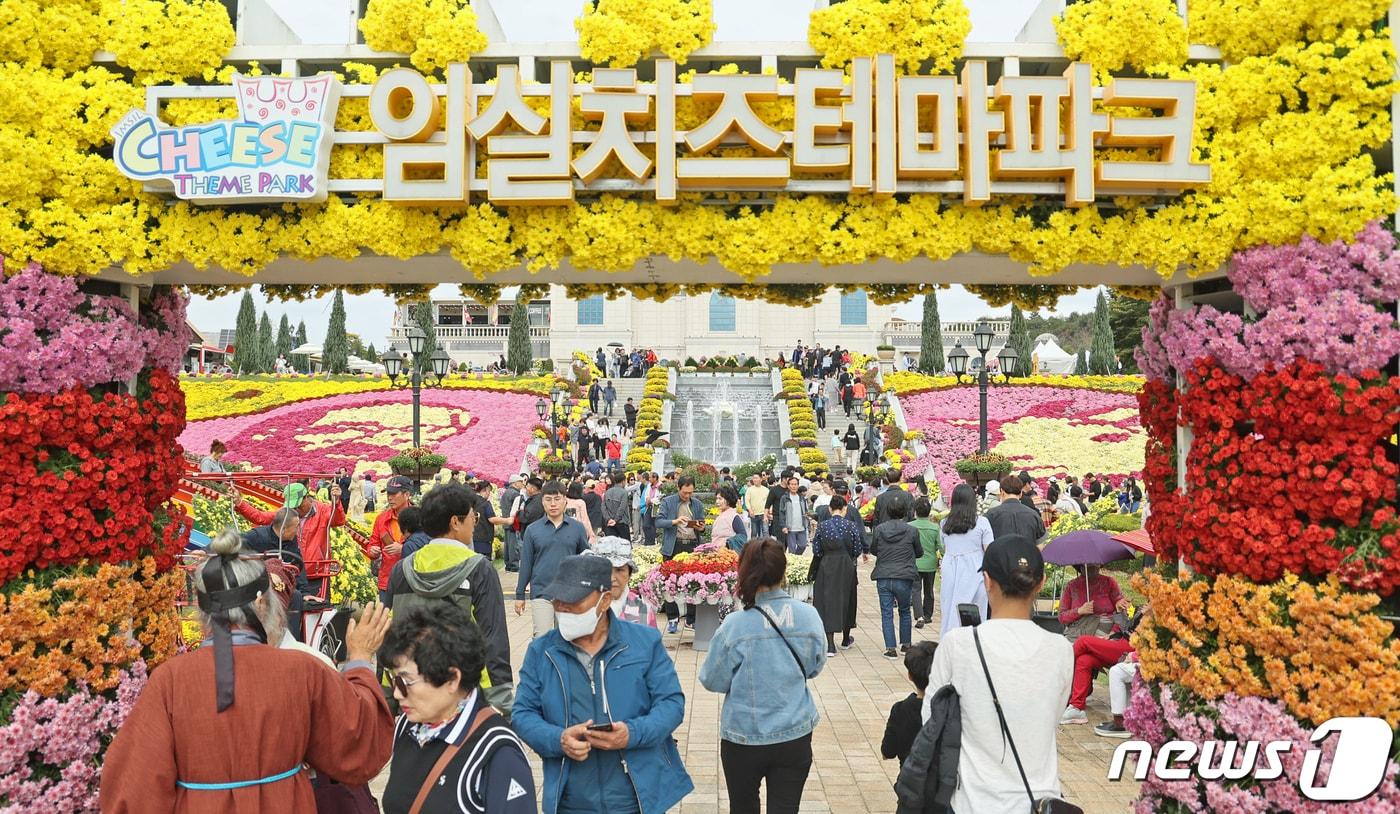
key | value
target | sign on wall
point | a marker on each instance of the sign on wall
(871, 131)
(278, 149)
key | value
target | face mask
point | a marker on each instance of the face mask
(574, 626)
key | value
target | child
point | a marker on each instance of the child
(411, 524)
(906, 716)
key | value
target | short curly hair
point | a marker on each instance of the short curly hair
(438, 641)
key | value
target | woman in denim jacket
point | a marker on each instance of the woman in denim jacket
(773, 644)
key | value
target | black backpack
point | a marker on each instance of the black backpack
(930, 773)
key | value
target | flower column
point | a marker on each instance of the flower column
(1283, 513)
(88, 463)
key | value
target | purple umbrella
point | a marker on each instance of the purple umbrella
(1085, 547)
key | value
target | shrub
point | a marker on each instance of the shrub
(690, 362)
(1118, 523)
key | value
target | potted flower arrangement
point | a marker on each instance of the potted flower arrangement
(707, 577)
(981, 468)
(419, 463)
(799, 576)
(554, 464)
(885, 352)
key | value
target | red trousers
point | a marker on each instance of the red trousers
(1090, 654)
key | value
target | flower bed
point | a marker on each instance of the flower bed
(708, 576)
(479, 430)
(640, 458)
(1048, 429)
(802, 420)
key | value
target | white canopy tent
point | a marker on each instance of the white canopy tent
(1049, 357)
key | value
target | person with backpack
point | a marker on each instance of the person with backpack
(1012, 680)
(773, 642)
(447, 570)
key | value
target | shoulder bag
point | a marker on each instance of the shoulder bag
(1045, 805)
(446, 758)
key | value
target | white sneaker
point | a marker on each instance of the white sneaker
(1074, 716)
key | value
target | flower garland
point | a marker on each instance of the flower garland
(86, 623)
(54, 337)
(915, 31)
(1163, 712)
(51, 747)
(434, 33)
(621, 32)
(1318, 649)
(109, 463)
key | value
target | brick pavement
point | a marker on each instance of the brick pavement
(854, 694)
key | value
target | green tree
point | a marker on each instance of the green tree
(1080, 366)
(371, 355)
(423, 315)
(1020, 339)
(520, 356)
(1102, 359)
(284, 338)
(267, 344)
(336, 349)
(1127, 316)
(245, 337)
(357, 348)
(931, 346)
(301, 362)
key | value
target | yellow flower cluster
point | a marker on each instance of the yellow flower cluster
(915, 31)
(434, 33)
(1241, 28)
(1148, 35)
(802, 419)
(641, 456)
(618, 33)
(903, 382)
(216, 397)
(168, 40)
(1319, 649)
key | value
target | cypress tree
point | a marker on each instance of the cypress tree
(336, 348)
(284, 339)
(1020, 339)
(245, 337)
(371, 355)
(299, 340)
(931, 346)
(423, 315)
(520, 356)
(267, 344)
(1080, 366)
(1102, 360)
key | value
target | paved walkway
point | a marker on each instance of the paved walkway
(854, 694)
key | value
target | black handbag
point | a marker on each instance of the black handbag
(1045, 805)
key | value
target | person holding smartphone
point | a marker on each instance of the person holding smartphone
(598, 700)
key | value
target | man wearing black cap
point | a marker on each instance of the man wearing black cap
(1031, 670)
(386, 538)
(601, 720)
(1012, 516)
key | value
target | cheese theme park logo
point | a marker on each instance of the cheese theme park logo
(277, 150)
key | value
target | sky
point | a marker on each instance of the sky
(370, 315)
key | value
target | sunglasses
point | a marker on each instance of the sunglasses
(400, 685)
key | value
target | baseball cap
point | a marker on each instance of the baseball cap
(398, 483)
(294, 494)
(614, 549)
(580, 575)
(1011, 554)
(519, 478)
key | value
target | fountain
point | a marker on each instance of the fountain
(738, 407)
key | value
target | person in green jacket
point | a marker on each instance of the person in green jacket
(932, 543)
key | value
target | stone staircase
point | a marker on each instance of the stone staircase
(838, 421)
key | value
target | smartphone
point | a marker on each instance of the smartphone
(607, 727)
(969, 615)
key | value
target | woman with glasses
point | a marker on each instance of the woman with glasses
(453, 753)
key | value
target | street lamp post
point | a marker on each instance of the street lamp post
(1006, 360)
(393, 365)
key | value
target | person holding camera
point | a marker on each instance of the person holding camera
(598, 700)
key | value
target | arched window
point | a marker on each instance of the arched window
(853, 307)
(721, 312)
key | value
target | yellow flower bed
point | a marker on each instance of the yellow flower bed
(1148, 35)
(1319, 649)
(620, 32)
(222, 398)
(434, 33)
(1288, 126)
(906, 382)
(915, 31)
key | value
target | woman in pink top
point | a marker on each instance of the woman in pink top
(728, 529)
(1088, 608)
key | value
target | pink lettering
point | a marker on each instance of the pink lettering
(175, 147)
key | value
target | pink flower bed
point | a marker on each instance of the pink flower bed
(489, 441)
(1047, 430)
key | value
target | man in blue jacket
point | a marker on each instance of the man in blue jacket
(598, 699)
(681, 518)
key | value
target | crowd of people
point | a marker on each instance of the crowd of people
(596, 696)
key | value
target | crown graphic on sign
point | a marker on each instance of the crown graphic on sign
(265, 99)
